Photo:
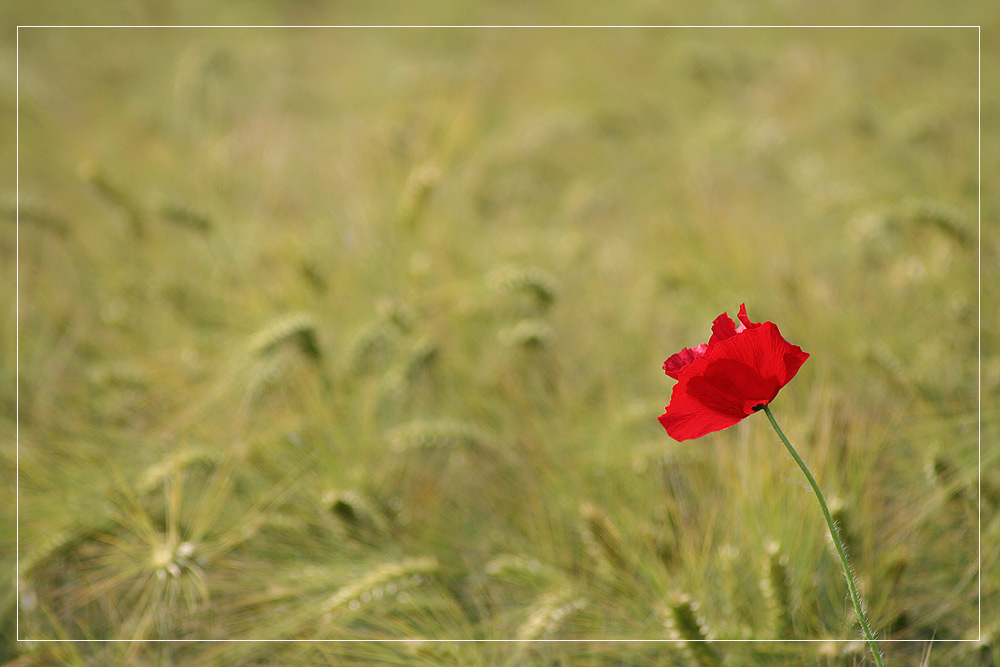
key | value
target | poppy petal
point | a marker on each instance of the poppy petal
(729, 385)
(687, 417)
(678, 362)
(746, 320)
(764, 350)
(793, 359)
(723, 328)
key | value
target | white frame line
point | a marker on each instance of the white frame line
(17, 337)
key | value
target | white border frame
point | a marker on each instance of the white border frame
(17, 338)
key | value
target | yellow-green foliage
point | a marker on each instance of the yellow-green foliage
(357, 334)
(689, 629)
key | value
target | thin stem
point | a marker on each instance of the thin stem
(836, 539)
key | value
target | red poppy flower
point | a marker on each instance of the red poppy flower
(739, 371)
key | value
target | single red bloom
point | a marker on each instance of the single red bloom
(739, 371)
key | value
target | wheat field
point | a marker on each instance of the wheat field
(357, 334)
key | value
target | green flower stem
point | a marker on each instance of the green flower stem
(836, 540)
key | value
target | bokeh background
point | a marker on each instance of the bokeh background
(357, 333)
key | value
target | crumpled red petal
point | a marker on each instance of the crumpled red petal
(678, 362)
(723, 328)
(746, 320)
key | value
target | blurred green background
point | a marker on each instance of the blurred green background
(358, 332)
